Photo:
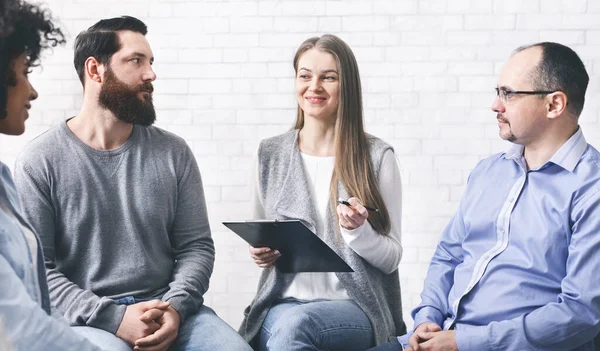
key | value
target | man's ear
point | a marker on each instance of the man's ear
(94, 70)
(556, 104)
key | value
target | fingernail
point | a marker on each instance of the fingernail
(267, 250)
(278, 253)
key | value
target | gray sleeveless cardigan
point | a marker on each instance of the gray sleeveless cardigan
(285, 194)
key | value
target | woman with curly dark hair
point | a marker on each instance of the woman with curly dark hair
(25, 30)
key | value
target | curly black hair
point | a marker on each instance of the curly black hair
(24, 28)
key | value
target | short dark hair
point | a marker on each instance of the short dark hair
(561, 69)
(24, 28)
(101, 41)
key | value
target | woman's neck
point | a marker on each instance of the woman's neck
(317, 139)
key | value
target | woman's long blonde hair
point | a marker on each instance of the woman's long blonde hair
(352, 166)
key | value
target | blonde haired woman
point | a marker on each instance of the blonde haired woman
(300, 175)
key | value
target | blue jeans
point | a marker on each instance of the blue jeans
(202, 331)
(102, 338)
(317, 325)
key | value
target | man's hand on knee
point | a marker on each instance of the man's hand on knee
(415, 338)
(163, 337)
(438, 341)
(140, 320)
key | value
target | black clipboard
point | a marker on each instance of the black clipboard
(301, 250)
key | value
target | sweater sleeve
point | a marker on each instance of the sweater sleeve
(79, 306)
(258, 210)
(27, 325)
(191, 242)
(382, 251)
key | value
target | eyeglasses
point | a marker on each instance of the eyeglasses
(505, 94)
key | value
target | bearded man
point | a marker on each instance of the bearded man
(120, 209)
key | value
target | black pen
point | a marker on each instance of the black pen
(367, 207)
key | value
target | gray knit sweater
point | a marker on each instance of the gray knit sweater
(284, 188)
(125, 222)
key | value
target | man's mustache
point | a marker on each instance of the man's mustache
(146, 87)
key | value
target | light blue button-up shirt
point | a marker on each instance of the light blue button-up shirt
(24, 300)
(518, 267)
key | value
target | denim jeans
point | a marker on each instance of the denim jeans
(102, 338)
(316, 325)
(203, 331)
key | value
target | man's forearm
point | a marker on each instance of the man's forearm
(191, 278)
(83, 307)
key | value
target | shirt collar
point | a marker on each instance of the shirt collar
(514, 152)
(566, 157)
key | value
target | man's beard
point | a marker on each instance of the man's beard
(124, 102)
(510, 137)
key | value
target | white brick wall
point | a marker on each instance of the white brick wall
(225, 80)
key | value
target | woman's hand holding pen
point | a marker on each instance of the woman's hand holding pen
(264, 257)
(353, 216)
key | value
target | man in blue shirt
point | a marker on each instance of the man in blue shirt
(517, 267)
